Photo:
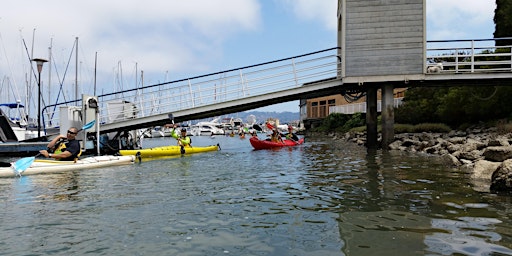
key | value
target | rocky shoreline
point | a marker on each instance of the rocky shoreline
(485, 153)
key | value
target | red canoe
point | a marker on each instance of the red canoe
(266, 144)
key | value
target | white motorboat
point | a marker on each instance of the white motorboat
(207, 128)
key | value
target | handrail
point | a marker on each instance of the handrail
(213, 88)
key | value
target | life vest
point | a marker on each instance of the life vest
(60, 146)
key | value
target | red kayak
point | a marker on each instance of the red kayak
(267, 144)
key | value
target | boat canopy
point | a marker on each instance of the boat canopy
(11, 105)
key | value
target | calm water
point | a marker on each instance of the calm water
(322, 198)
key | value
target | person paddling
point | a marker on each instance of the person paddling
(183, 139)
(70, 152)
(276, 136)
(291, 135)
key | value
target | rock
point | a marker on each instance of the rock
(472, 155)
(498, 154)
(501, 180)
(479, 150)
(498, 142)
(454, 161)
(481, 174)
(457, 140)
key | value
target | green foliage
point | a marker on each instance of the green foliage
(341, 122)
(335, 120)
(431, 127)
(455, 105)
(503, 21)
(404, 128)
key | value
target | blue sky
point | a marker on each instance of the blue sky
(171, 39)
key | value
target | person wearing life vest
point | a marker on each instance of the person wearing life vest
(70, 150)
(183, 139)
(276, 136)
(290, 135)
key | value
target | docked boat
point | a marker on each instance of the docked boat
(44, 166)
(206, 129)
(14, 123)
(168, 151)
(256, 143)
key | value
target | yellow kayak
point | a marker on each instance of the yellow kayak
(168, 151)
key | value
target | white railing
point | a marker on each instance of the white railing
(353, 108)
(469, 56)
(211, 89)
(454, 56)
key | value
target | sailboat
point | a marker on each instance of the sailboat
(14, 124)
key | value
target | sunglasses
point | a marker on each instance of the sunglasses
(70, 132)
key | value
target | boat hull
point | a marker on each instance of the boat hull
(54, 166)
(168, 151)
(256, 143)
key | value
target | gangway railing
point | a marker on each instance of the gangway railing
(452, 56)
(211, 89)
(469, 56)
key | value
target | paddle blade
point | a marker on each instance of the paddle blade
(23, 164)
(270, 126)
(257, 127)
(89, 125)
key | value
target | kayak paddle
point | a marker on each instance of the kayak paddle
(182, 148)
(88, 125)
(257, 127)
(24, 163)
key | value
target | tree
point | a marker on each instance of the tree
(503, 21)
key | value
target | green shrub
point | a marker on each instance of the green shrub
(404, 128)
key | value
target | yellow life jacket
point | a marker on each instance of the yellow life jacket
(61, 146)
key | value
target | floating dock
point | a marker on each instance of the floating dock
(21, 148)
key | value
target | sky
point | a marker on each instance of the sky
(171, 39)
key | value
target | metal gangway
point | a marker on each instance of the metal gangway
(304, 76)
(150, 105)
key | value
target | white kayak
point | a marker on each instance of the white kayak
(42, 166)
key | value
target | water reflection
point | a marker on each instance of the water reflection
(322, 198)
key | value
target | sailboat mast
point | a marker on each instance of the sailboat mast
(49, 70)
(95, 67)
(29, 85)
(76, 71)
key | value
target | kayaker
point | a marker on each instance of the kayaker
(183, 139)
(291, 135)
(71, 149)
(275, 136)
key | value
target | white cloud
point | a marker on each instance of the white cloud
(460, 19)
(322, 10)
(159, 34)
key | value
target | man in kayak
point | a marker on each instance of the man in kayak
(71, 149)
(291, 135)
(183, 139)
